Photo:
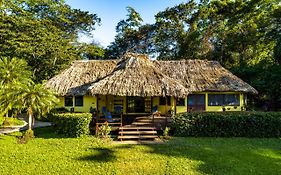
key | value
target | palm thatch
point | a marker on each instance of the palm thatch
(203, 75)
(77, 79)
(136, 75)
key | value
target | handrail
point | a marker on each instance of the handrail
(108, 123)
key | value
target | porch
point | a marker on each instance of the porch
(136, 127)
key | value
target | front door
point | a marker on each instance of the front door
(138, 104)
(196, 102)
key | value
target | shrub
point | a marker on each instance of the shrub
(104, 131)
(72, 124)
(228, 124)
(27, 135)
(166, 133)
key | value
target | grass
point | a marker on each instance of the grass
(50, 153)
(10, 121)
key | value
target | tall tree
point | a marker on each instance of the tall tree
(44, 33)
(131, 36)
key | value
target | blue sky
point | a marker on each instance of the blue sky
(112, 11)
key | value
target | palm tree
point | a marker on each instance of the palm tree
(33, 97)
(11, 71)
(18, 91)
(14, 70)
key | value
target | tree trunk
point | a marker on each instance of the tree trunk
(29, 111)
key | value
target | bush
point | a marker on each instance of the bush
(228, 124)
(27, 135)
(104, 131)
(72, 124)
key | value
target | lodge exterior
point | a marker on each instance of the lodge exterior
(137, 85)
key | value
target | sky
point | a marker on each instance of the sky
(112, 11)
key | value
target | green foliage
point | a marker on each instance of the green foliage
(10, 121)
(91, 51)
(19, 92)
(166, 133)
(58, 110)
(44, 33)
(131, 36)
(104, 131)
(26, 136)
(266, 79)
(228, 124)
(72, 124)
(13, 71)
(193, 156)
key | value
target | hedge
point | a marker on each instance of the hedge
(72, 124)
(228, 124)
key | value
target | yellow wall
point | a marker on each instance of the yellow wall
(182, 109)
(161, 108)
(88, 102)
(91, 101)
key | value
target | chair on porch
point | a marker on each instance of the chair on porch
(155, 112)
(111, 117)
(108, 119)
(106, 114)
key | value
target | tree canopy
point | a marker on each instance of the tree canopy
(44, 33)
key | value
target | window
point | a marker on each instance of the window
(79, 101)
(68, 101)
(231, 100)
(196, 102)
(162, 101)
(215, 99)
(181, 102)
(223, 99)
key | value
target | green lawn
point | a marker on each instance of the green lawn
(50, 154)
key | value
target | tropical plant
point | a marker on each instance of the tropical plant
(35, 98)
(166, 133)
(12, 71)
(104, 131)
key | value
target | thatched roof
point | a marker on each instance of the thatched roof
(136, 75)
(203, 75)
(77, 79)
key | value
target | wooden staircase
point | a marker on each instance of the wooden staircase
(142, 129)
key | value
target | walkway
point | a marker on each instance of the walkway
(37, 124)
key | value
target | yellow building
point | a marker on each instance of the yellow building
(137, 85)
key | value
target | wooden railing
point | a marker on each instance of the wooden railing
(114, 122)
